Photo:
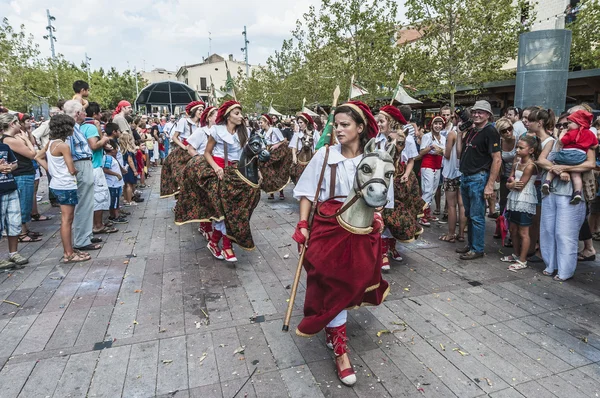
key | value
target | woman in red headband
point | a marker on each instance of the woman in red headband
(330, 289)
(190, 190)
(171, 175)
(402, 221)
(275, 172)
(303, 144)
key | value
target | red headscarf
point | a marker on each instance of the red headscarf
(394, 113)
(367, 117)
(307, 118)
(122, 104)
(582, 118)
(266, 116)
(205, 114)
(225, 108)
(191, 107)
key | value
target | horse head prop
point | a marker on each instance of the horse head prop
(372, 181)
(254, 151)
(306, 152)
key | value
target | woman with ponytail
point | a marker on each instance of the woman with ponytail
(343, 268)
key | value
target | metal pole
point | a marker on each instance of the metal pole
(52, 39)
(245, 50)
(137, 89)
(87, 66)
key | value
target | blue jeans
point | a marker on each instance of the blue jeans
(167, 146)
(25, 187)
(471, 190)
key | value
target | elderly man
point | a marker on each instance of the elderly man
(82, 157)
(480, 160)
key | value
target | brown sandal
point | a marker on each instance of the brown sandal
(76, 257)
(24, 238)
(460, 238)
(448, 238)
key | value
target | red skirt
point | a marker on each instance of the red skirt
(343, 271)
(276, 171)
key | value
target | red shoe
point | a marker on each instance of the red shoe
(281, 196)
(338, 338)
(392, 252)
(228, 250)
(213, 245)
(205, 229)
(385, 263)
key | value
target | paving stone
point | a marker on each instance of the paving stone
(13, 377)
(140, 380)
(508, 393)
(76, 377)
(43, 379)
(109, 375)
(212, 391)
(533, 389)
(39, 333)
(388, 374)
(202, 360)
(300, 382)
(282, 345)
(584, 383)
(13, 333)
(269, 384)
(172, 376)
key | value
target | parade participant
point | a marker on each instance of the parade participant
(190, 194)
(275, 172)
(172, 170)
(433, 145)
(226, 197)
(343, 263)
(303, 144)
(401, 221)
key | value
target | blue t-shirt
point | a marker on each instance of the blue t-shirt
(89, 130)
(7, 181)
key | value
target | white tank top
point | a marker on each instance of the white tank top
(451, 167)
(61, 178)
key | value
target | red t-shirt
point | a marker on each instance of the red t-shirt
(139, 158)
(582, 139)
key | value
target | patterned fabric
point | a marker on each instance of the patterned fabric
(171, 175)
(296, 171)
(80, 148)
(276, 172)
(204, 198)
(408, 206)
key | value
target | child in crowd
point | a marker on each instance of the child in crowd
(114, 180)
(575, 145)
(59, 163)
(10, 209)
(522, 200)
(82, 91)
(127, 146)
(141, 164)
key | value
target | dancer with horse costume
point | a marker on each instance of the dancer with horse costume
(402, 221)
(227, 183)
(171, 175)
(191, 195)
(303, 144)
(275, 172)
(349, 181)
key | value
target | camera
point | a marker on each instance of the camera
(465, 117)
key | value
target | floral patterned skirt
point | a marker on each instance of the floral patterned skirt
(408, 206)
(171, 174)
(204, 197)
(296, 171)
(198, 199)
(276, 172)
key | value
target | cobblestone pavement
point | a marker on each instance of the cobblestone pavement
(153, 314)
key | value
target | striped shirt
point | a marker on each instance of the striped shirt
(79, 145)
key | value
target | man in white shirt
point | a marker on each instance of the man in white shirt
(167, 130)
(515, 114)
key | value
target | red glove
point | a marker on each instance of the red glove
(298, 236)
(378, 224)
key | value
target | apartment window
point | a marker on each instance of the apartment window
(203, 83)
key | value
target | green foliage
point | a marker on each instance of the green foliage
(327, 47)
(585, 48)
(464, 42)
(27, 78)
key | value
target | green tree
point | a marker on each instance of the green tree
(327, 47)
(462, 42)
(585, 47)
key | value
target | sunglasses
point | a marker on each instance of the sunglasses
(562, 125)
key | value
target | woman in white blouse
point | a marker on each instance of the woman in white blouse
(276, 171)
(302, 149)
(343, 267)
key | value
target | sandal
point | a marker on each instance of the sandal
(76, 257)
(596, 236)
(105, 230)
(510, 259)
(33, 234)
(91, 246)
(460, 238)
(38, 217)
(24, 238)
(544, 272)
(559, 279)
(448, 238)
(518, 265)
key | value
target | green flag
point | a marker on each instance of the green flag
(327, 132)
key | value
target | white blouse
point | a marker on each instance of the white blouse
(410, 149)
(273, 136)
(296, 141)
(199, 139)
(183, 128)
(380, 140)
(428, 140)
(344, 180)
(220, 134)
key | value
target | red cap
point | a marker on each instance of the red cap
(394, 113)
(225, 108)
(365, 113)
(266, 116)
(189, 109)
(204, 116)
(307, 118)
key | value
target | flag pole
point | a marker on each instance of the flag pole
(351, 84)
(397, 88)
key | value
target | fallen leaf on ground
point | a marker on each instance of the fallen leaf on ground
(383, 331)
(239, 350)
(407, 289)
(285, 257)
(167, 360)
(488, 381)
(203, 357)
(11, 302)
(126, 262)
(135, 322)
(442, 346)
(137, 291)
(464, 354)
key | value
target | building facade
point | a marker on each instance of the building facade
(159, 75)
